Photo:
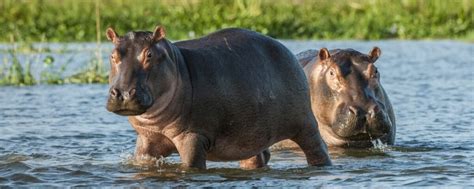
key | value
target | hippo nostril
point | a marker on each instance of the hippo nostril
(353, 110)
(373, 110)
(132, 93)
(114, 93)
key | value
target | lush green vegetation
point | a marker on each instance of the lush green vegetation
(24, 22)
(14, 72)
(68, 20)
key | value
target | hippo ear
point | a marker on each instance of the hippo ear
(323, 54)
(374, 54)
(158, 34)
(112, 35)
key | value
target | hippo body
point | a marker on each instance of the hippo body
(227, 96)
(347, 98)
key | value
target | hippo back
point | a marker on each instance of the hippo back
(244, 81)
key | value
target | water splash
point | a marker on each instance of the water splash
(379, 145)
(143, 161)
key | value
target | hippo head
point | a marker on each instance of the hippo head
(350, 103)
(137, 64)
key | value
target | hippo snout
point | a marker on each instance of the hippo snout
(355, 123)
(378, 122)
(118, 95)
(133, 101)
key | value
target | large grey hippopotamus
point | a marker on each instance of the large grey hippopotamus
(347, 98)
(227, 96)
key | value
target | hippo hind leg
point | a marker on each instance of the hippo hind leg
(315, 150)
(257, 161)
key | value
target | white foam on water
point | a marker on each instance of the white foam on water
(379, 145)
(144, 161)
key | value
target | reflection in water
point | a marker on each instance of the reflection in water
(63, 136)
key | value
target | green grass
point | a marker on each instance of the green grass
(16, 74)
(12, 72)
(86, 20)
(68, 20)
(93, 73)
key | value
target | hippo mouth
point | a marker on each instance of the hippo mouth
(126, 109)
(359, 137)
(130, 108)
(126, 112)
(363, 137)
(363, 140)
(129, 104)
(362, 130)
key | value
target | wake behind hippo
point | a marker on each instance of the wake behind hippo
(227, 96)
(347, 97)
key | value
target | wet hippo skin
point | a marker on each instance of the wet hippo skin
(347, 98)
(224, 97)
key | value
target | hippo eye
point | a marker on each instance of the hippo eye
(331, 73)
(376, 72)
(148, 55)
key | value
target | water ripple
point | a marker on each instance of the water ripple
(57, 136)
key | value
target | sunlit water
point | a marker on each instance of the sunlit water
(63, 136)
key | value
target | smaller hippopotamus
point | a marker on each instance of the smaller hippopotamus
(347, 98)
(224, 97)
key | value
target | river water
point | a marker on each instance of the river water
(63, 136)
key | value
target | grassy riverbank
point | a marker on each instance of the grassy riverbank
(25, 22)
(65, 21)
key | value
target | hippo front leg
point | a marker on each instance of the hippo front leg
(192, 150)
(257, 161)
(155, 146)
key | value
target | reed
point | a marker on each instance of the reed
(94, 72)
(13, 72)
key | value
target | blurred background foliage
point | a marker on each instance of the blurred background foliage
(71, 20)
